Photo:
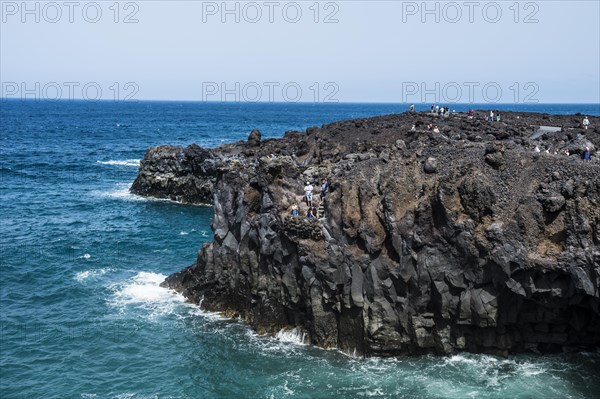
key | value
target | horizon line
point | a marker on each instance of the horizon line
(133, 101)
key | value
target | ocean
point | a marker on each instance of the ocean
(81, 311)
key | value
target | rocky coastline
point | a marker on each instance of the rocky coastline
(437, 234)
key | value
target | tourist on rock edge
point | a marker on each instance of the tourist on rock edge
(585, 123)
(324, 188)
(308, 190)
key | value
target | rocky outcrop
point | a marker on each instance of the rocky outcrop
(180, 174)
(464, 239)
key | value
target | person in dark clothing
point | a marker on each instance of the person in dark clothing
(324, 187)
(587, 155)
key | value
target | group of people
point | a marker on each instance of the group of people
(586, 154)
(440, 111)
(312, 211)
(433, 128)
(308, 191)
(494, 116)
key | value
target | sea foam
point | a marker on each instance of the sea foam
(91, 274)
(125, 162)
(143, 292)
(295, 336)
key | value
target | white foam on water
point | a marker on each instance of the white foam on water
(121, 193)
(143, 292)
(377, 392)
(287, 390)
(128, 395)
(91, 274)
(528, 369)
(183, 233)
(211, 316)
(85, 256)
(295, 336)
(126, 162)
(464, 359)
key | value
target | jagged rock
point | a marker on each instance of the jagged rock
(495, 159)
(180, 174)
(552, 202)
(430, 165)
(403, 261)
(254, 137)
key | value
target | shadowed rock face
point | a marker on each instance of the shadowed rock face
(180, 174)
(430, 242)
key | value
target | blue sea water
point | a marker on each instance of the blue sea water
(81, 311)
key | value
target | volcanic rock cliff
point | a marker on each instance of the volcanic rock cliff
(459, 238)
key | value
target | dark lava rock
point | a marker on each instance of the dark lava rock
(552, 202)
(495, 159)
(430, 165)
(401, 261)
(254, 137)
(180, 174)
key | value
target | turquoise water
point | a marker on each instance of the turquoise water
(82, 315)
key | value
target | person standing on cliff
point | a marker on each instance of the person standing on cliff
(324, 187)
(412, 107)
(585, 123)
(587, 155)
(308, 190)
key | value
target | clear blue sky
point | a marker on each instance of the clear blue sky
(377, 51)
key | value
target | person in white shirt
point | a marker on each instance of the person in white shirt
(308, 190)
(586, 123)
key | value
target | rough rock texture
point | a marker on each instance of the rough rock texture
(465, 239)
(180, 174)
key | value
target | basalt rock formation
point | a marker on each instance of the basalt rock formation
(460, 238)
(180, 174)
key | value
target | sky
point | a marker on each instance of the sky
(309, 51)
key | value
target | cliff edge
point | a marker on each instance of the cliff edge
(437, 234)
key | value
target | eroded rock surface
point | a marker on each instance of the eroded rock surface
(180, 174)
(465, 239)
